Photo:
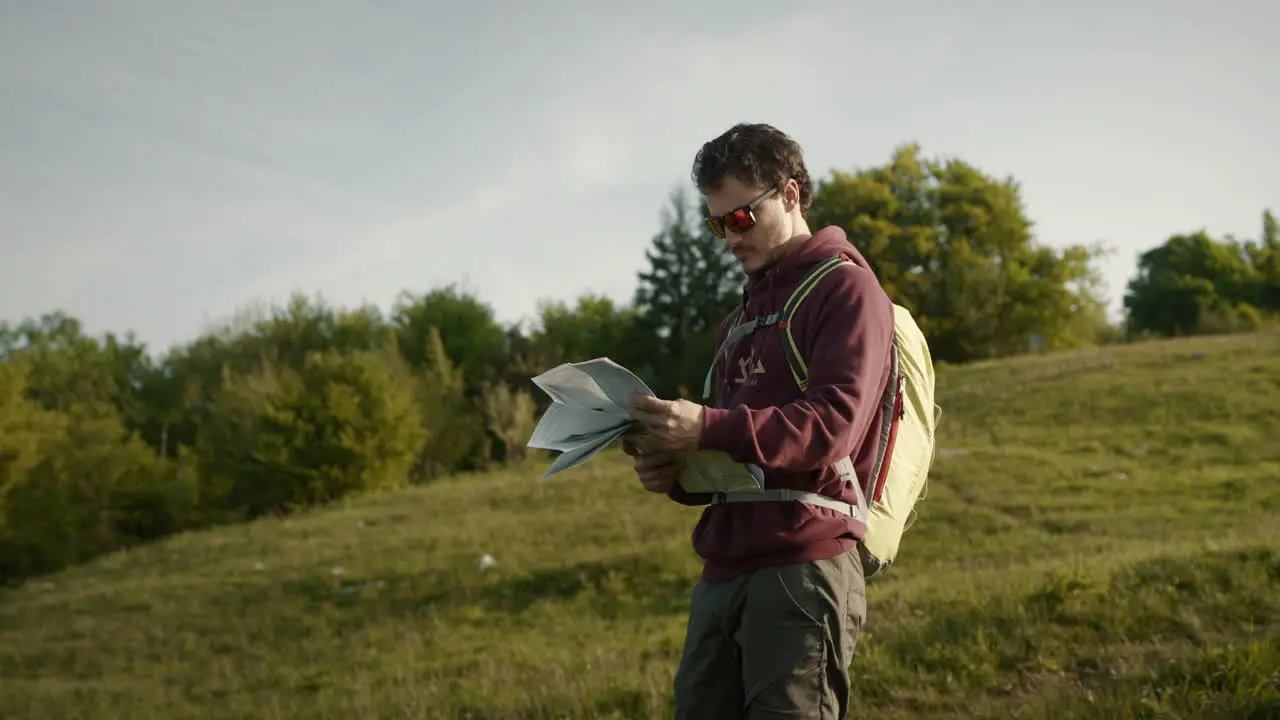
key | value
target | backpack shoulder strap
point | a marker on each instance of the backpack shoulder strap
(800, 370)
(890, 400)
(737, 331)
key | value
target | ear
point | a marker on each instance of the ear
(790, 195)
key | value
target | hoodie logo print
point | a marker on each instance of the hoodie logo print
(749, 368)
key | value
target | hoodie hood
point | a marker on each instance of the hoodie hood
(827, 242)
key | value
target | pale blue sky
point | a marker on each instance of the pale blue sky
(164, 163)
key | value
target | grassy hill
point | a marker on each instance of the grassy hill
(1099, 539)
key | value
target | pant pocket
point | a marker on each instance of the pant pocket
(790, 634)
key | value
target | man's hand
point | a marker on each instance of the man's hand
(657, 470)
(674, 425)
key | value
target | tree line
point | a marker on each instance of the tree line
(105, 444)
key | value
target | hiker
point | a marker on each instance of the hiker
(776, 614)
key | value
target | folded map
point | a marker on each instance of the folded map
(589, 412)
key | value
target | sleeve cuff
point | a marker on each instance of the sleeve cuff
(714, 423)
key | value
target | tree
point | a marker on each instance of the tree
(1266, 262)
(472, 338)
(179, 391)
(455, 424)
(509, 417)
(691, 283)
(954, 246)
(74, 482)
(69, 367)
(594, 327)
(1193, 284)
(24, 426)
(279, 438)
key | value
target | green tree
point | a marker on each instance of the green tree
(472, 338)
(476, 349)
(1193, 284)
(180, 390)
(690, 284)
(455, 423)
(24, 426)
(1266, 263)
(509, 417)
(74, 482)
(279, 438)
(594, 327)
(953, 245)
(69, 367)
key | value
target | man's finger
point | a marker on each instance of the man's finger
(653, 462)
(656, 457)
(645, 415)
(642, 400)
(659, 437)
(659, 476)
(648, 404)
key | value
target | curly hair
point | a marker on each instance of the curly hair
(755, 154)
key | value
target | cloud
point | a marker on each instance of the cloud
(162, 163)
(446, 232)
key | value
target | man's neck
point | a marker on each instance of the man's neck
(801, 235)
(786, 248)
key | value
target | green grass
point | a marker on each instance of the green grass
(1099, 540)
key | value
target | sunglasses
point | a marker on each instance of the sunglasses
(739, 219)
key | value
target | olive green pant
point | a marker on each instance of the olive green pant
(773, 643)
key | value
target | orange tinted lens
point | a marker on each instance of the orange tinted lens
(740, 221)
(713, 224)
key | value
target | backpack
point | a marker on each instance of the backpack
(905, 437)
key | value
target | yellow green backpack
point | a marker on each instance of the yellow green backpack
(905, 438)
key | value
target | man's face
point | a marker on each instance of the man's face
(760, 246)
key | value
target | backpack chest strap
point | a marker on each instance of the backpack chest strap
(736, 333)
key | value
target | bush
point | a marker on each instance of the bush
(75, 484)
(280, 438)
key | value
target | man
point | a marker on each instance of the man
(775, 617)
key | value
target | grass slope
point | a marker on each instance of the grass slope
(1099, 540)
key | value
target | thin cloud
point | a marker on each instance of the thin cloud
(439, 232)
(160, 164)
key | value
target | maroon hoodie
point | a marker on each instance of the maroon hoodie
(844, 331)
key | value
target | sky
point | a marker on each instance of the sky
(166, 164)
